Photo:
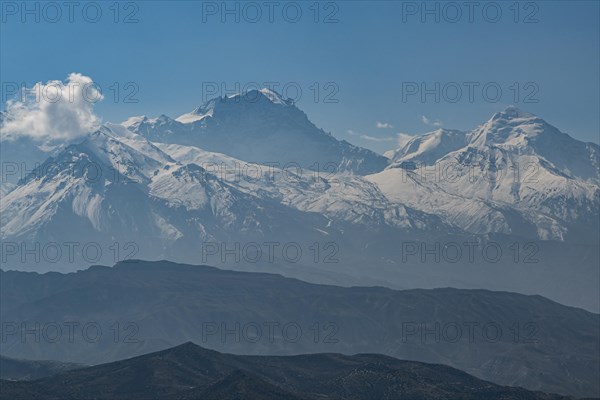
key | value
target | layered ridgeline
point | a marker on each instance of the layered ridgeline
(189, 371)
(104, 314)
(516, 210)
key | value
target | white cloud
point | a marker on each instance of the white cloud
(377, 139)
(427, 121)
(54, 110)
(383, 125)
(371, 138)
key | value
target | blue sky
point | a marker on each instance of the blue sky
(367, 61)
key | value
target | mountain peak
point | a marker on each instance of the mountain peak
(162, 118)
(275, 97)
(131, 121)
(188, 345)
(137, 120)
(512, 126)
(512, 112)
(262, 97)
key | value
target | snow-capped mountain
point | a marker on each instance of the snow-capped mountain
(428, 148)
(259, 126)
(521, 133)
(514, 174)
(149, 183)
(117, 187)
(124, 189)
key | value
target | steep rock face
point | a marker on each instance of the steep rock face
(262, 127)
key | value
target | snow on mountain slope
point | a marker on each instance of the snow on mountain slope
(259, 126)
(526, 174)
(21, 155)
(155, 129)
(526, 182)
(482, 197)
(474, 215)
(428, 148)
(341, 197)
(522, 133)
(117, 186)
(76, 183)
(6, 187)
(105, 190)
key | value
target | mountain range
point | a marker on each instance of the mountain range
(189, 371)
(105, 314)
(247, 182)
(515, 160)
